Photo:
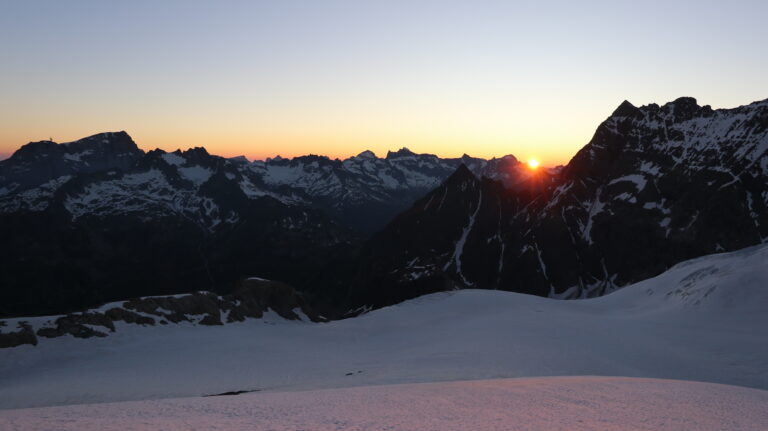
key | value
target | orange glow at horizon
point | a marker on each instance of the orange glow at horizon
(533, 163)
(333, 144)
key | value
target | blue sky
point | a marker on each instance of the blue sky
(488, 78)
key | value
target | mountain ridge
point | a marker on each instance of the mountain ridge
(654, 186)
(362, 191)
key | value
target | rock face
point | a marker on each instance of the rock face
(656, 185)
(249, 300)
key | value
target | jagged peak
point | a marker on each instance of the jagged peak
(683, 102)
(113, 140)
(685, 108)
(367, 154)
(461, 174)
(35, 147)
(106, 141)
(402, 152)
(626, 109)
(239, 159)
(104, 137)
(196, 151)
(311, 157)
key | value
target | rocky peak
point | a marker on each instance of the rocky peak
(239, 160)
(367, 154)
(35, 150)
(461, 176)
(509, 158)
(39, 162)
(402, 152)
(626, 109)
(196, 154)
(684, 108)
(113, 142)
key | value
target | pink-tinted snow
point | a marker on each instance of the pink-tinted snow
(554, 403)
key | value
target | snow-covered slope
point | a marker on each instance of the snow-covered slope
(702, 320)
(555, 403)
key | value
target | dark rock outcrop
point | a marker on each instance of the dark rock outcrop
(24, 335)
(250, 300)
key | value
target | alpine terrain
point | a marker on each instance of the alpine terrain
(656, 185)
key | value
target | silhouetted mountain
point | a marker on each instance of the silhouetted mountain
(40, 162)
(365, 192)
(167, 223)
(656, 185)
(99, 220)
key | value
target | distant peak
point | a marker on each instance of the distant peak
(684, 108)
(682, 104)
(402, 152)
(626, 109)
(106, 142)
(461, 173)
(239, 159)
(367, 154)
(105, 138)
(685, 101)
(509, 157)
(200, 151)
(32, 149)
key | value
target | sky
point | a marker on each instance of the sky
(292, 77)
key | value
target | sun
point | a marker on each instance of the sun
(533, 163)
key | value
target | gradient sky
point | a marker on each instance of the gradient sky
(259, 78)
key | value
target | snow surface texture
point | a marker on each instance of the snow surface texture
(558, 403)
(702, 320)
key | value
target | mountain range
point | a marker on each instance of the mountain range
(100, 220)
(655, 185)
